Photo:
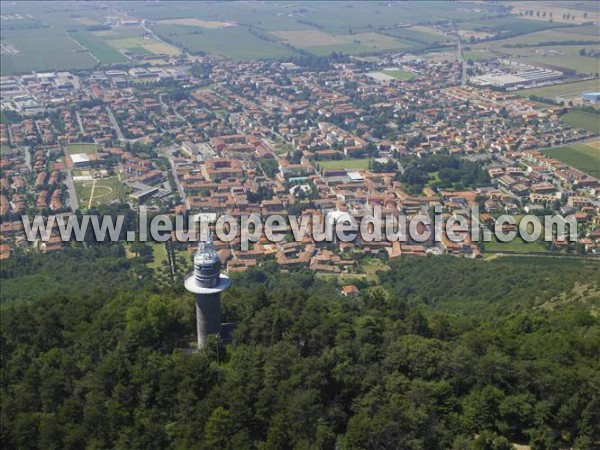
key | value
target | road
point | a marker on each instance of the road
(116, 126)
(73, 202)
(169, 154)
(80, 122)
(461, 57)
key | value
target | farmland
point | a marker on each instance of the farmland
(56, 51)
(322, 43)
(566, 91)
(234, 43)
(582, 119)
(583, 156)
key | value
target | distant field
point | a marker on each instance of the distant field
(566, 90)
(345, 164)
(322, 43)
(557, 9)
(100, 49)
(234, 43)
(197, 23)
(82, 148)
(581, 119)
(584, 156)
(55, 51)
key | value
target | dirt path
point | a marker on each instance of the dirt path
(92, 194)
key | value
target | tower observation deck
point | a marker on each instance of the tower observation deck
(207, 282)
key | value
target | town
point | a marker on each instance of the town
(203, 134)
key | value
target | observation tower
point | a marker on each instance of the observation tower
(207, 282)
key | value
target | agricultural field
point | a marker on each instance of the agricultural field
(345, 164)
(582, 119)
(578, 12)
(100, 191)
(235, 43)
(582, 156)
(82, 148)
(322, 43)
(56, 51)
(567, 91)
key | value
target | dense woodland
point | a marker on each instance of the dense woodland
(442, 353)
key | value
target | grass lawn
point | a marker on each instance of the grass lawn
(159, 255)
(100, 192)
(345, 164)
(584, 156)
(82, 148)
(582, 119)
(400, 74)
(518, 245)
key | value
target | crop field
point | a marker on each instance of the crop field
(234, 43)
(579, 12)
(510, 24)
(566, 34)
(56, 51)
(100, 192)
(419, 34)
(582, 119)
(345, 164)
(583, 156)
(564, 56)
(81, 148)
(100, 49)
(193, 22)
(322, 43)
(567, 91)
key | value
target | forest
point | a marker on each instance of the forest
(441, 352)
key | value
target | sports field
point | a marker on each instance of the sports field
(100, 191)
(345, 164)
(82, 148)
(400, 74)
(583, 156)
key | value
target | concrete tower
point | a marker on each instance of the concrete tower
(207, 282)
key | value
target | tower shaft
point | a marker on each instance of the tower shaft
(208, 316)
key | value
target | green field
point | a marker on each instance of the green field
(100, 192)
(582, 119)
(345, 164)
(583, 156)
(235, 43)
(567, 91)
(400, 74)
(42, 50)
(518, 245)
(82, 148)
(100, 49)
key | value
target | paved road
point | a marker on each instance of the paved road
(169, 154)
(73, 202)
(116, 126)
